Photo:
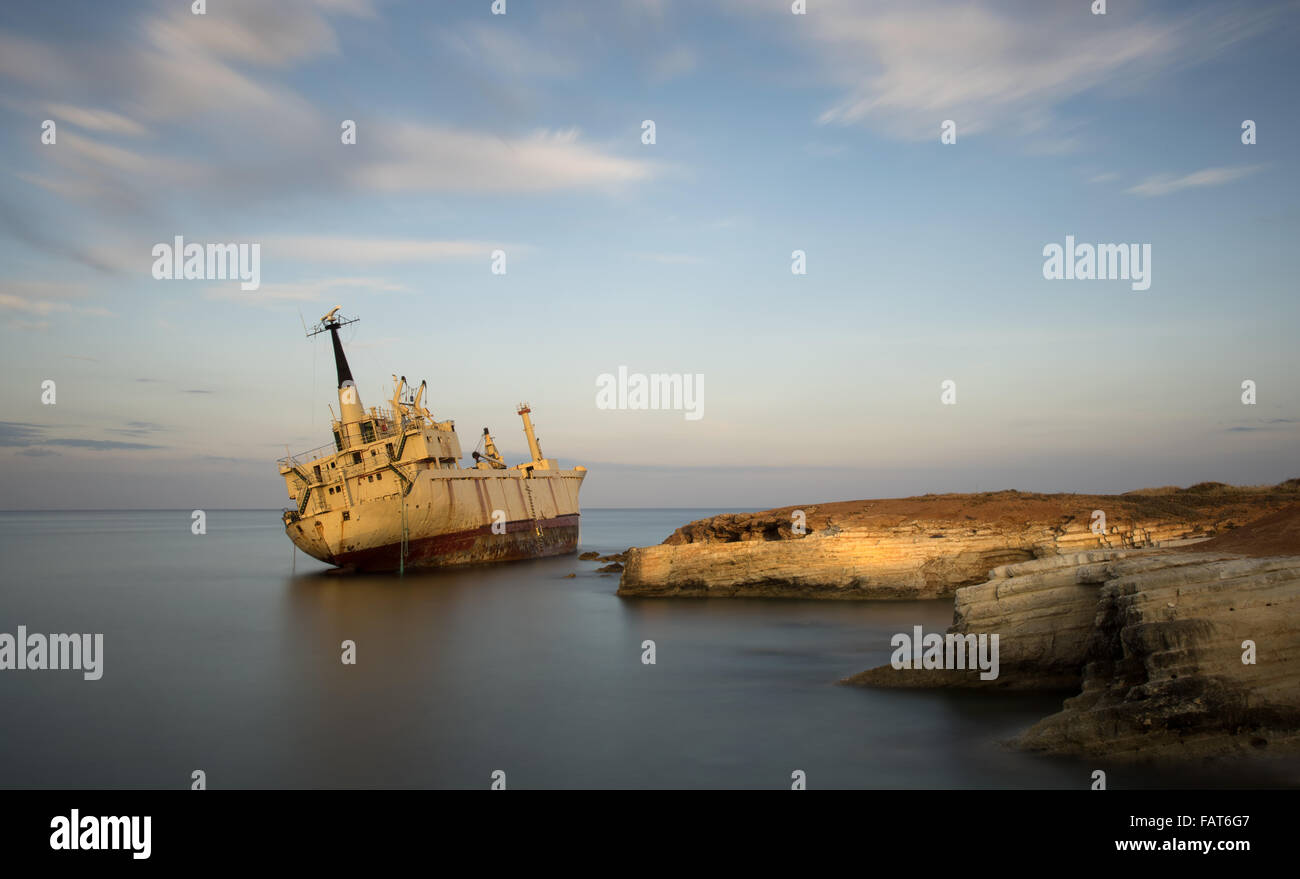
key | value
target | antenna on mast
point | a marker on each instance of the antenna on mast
(331, 321)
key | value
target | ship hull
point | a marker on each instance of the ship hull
(449, 518)
(476, 547)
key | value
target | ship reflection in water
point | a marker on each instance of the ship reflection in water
(217, 658)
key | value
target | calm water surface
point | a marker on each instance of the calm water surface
(220, 657)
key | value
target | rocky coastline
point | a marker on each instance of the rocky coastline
(1193, 652)
(1177, 628)
(923, 547)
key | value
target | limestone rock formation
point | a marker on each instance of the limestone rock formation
(1164, 671)
(1159, 641)
(925, 547)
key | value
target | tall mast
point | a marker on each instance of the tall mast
(351, 412)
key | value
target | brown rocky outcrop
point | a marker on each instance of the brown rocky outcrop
(1155, 641)
(1164, 668)
(924, 547)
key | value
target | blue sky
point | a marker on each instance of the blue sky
(774, 132)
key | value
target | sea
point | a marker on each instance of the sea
(223, 659)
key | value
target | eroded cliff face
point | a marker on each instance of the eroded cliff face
(1043, 612)
(1148, 623)
(1164, 673)
(913, 548)
(1153, 642)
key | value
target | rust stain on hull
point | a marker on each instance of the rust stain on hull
(475, 546)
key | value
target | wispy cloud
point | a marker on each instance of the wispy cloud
(44, 298)
(254, 32)
(306, 291)
(25, 225)
(1266, 424)
(96, 120)
(112, 177)
(137, 428)
(500, 50)
(904, 66)
(19, 433)
(427, 157)
(99, 445)
(221, 74)
(910, 65)
(28, 436)
(335, 249)
(1166, 184)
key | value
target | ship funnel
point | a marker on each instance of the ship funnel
(350, 411)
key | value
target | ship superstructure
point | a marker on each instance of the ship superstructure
(390, 493)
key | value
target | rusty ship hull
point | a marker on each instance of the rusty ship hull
(472, 517)
(390, 492)
(477, 547)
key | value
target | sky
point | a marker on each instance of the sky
(773, 133)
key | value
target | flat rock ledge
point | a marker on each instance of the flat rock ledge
(928, 546)
(910, 560)
(1153, 643)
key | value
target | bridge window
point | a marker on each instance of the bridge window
(367, 431)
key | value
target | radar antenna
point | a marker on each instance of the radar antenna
(331, 320)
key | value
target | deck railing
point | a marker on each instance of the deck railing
(385, 426)
(305, 459)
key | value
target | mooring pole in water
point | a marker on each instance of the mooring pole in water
(401, 553)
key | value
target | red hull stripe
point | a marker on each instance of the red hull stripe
(559, 535)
